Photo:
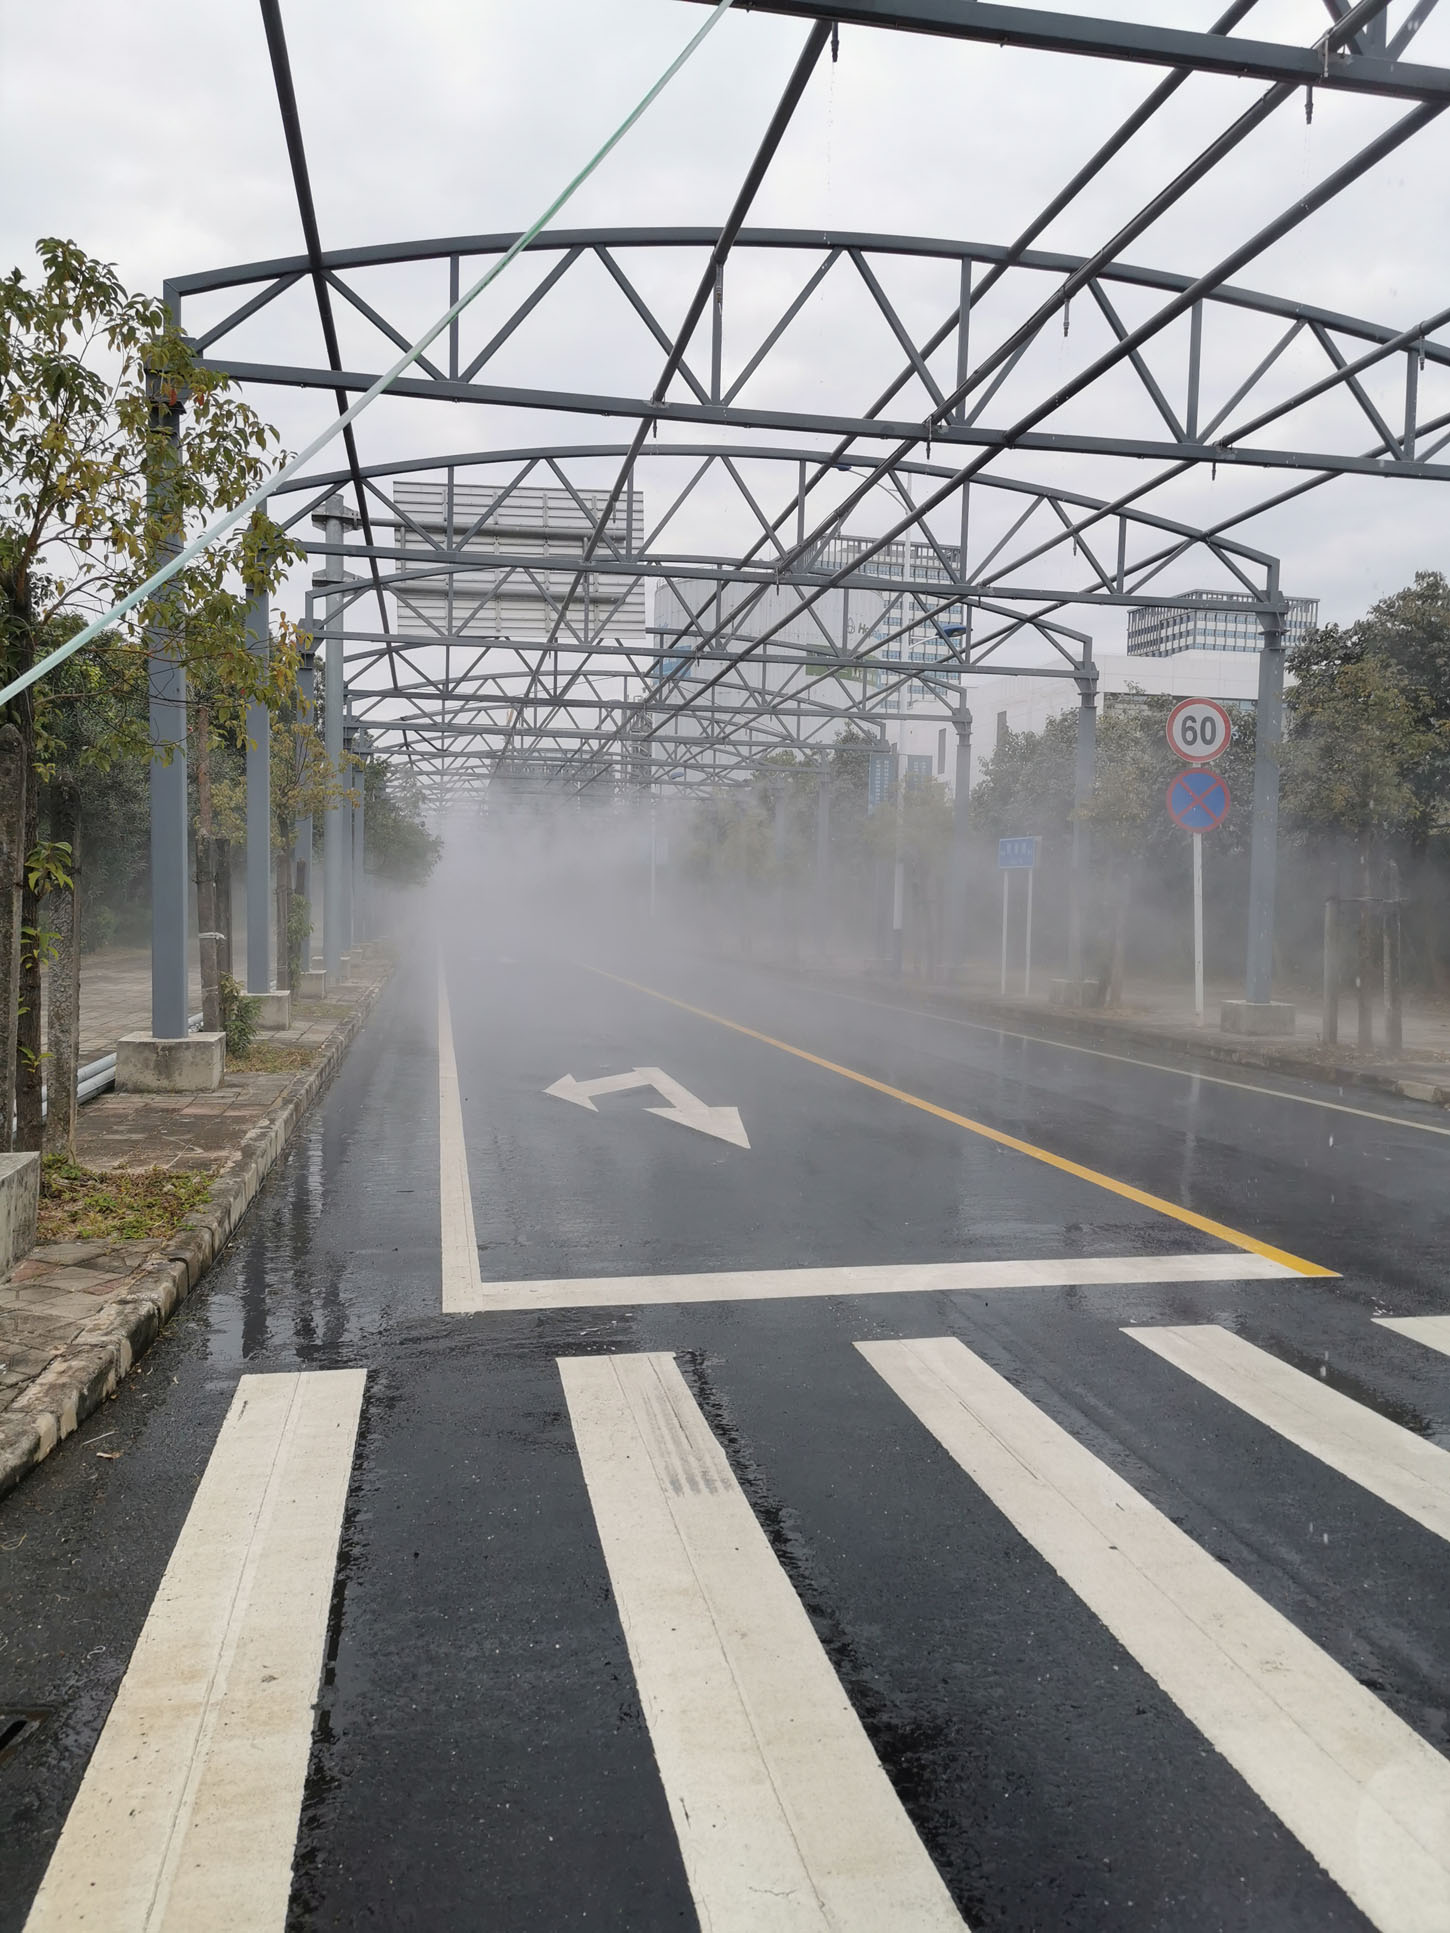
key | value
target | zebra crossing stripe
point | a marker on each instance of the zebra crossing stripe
(1363, 1793)
(786, 1821)
(455, 1198)
(1391, 1462)
(1432, 1331)
(187, 1814)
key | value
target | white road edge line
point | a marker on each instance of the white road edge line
(187, 1814)
(786, 1821)
(1132, 1060)
(1432, 1331)
(1363, 1793)
(461, 1286)
(894, 1278)
(1392, 1463)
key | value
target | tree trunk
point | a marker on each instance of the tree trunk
(12, 867)
(284, 907)
(206, 906)
(1364, 966)
(63, 1021)
(298, 955)
(1117, 970)
(30, 1068)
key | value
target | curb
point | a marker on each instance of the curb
(102, 1353)
(1066, 1020)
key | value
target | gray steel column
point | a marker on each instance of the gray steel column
(1264, 848)
(333, 857)
(302, 850)
(362, 745)
(345, 812)
(169, 870)
(259, 813)
(1084, 770)
(961, 825)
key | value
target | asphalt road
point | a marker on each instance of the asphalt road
(516, 1728)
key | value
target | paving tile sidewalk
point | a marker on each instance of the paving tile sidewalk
(75, 1315)
(116, 997)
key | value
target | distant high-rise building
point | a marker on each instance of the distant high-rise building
(1206, 625)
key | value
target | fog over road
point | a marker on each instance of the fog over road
(1068, 1552)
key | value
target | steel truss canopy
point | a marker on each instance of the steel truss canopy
(665, 558)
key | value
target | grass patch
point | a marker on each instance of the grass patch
(322, 1010)
(267, 1057)
(90, 1205)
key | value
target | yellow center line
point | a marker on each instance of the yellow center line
(1219, 1230)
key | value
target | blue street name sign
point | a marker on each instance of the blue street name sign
(1017, 855)
(1198, 800)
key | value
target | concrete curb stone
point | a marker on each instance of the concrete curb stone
(100, 1356)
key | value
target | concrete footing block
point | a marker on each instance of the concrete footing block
(274, 1010)
(314, 984)
(19, 1199)
(1075, 993)
(146, 1065)
(1258, 1019)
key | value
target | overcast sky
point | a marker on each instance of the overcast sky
(148, 132)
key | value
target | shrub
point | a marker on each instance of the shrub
(239, 1016)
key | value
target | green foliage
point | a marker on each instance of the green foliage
(240, 1012)
(397, 843)
(1027, 785)
(120, 1205)
(1368, 751)
(1411, 631)
(93, 484)
(299, 932)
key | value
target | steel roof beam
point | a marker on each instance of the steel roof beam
(1129, 40)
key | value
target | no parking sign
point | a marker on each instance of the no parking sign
(1198, 800)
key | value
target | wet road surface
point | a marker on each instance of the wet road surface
(730, 1609)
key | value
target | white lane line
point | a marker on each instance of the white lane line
(1362, 1792)
(1391, 1462)
(786, 1821)
(897, 1278)
(1132, 1060)
(455, 1199)
(187, 1814)
(1432, 1331)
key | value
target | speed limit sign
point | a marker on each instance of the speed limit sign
(1199, 730)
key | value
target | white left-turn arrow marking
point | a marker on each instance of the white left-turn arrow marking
(686, 1108)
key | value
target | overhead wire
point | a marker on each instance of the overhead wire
(255, 498)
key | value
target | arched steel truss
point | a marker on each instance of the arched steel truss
(939, 473)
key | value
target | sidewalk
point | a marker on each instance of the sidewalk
(1162, 1018)
(75, 1315)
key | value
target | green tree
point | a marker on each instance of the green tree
(1410, 630)
(115, 442)
(398, 846)
(1359, 747)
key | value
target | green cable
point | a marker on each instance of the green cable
(340, 423)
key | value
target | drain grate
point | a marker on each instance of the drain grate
(16, 1727)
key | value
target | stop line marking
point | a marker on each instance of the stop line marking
(892, 1278)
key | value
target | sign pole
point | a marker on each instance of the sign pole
(1027, 964)
(1198, 926)
(1003, 987)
